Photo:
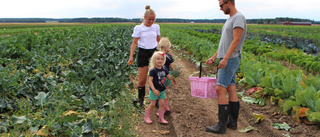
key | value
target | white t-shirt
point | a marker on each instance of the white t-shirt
(147, 35)
(237, 20)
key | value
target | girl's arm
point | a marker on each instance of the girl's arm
(172, 66)
(171, 78)
(155, 91)
(133, 48)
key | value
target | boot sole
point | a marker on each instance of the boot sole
(232, 128)
(167, 113)
(221, 132)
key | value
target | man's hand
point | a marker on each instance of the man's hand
(210, 60)
(223, 63)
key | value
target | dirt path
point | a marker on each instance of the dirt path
(189, 115)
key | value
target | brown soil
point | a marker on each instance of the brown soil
(189, 115)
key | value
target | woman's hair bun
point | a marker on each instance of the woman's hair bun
(147, 7)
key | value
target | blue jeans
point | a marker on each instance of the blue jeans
(227, 76)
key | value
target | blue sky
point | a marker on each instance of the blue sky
(194, 9)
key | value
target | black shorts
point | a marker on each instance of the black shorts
(144, 56)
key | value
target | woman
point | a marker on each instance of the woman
(147, 37)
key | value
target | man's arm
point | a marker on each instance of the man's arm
(237, 32)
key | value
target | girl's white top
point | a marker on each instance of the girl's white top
(147, 35)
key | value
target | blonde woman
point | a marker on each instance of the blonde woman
(146, 36)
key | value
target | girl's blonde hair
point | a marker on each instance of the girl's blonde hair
(154, 57)
(164, 43)
(147, 12)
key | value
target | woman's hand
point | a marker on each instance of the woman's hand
(130, 61)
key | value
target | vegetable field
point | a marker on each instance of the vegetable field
(66, 81)
(73, 80)
(294, 91)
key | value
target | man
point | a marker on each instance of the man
(229, 51)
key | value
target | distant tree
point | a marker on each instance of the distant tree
(260, 21)
(269, 21)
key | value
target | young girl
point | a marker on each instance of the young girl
(164, 46)
(157, 76)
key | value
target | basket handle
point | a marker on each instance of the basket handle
(200, 69)
(212, 63)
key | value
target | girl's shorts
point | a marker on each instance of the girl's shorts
(227, 76)
(144, 56)
(152, 96)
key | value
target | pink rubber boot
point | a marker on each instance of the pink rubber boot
(166, 105)
(147, 116)
(161, 118)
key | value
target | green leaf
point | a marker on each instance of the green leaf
(175, 73)
(77, 102)
(314, 117)
(3, 126)
(3, 104)
(39, 100)
(87, 127)
(258, 117)
(291, 82)
(80, 62)
(240, 94)
(242, 81)
(286, 135)
(283, 126)
(18, 120)
(248, 129)
(305, 96)
(110, 104)
(250, 80)
(34, 129)
(288, 106)
(44, 131)
(260, 101)
(248, 100)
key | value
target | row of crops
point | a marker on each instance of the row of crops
(295, 92)
(74, 81)
(277, 50)
(66, 81)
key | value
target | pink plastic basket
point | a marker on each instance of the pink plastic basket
(204, 87)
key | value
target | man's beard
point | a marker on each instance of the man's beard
(227, 11)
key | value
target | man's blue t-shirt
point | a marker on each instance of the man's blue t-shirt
(159, 77)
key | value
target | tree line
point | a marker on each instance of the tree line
(279, 20)
(159, 20)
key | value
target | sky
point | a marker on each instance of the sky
(186, 9)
